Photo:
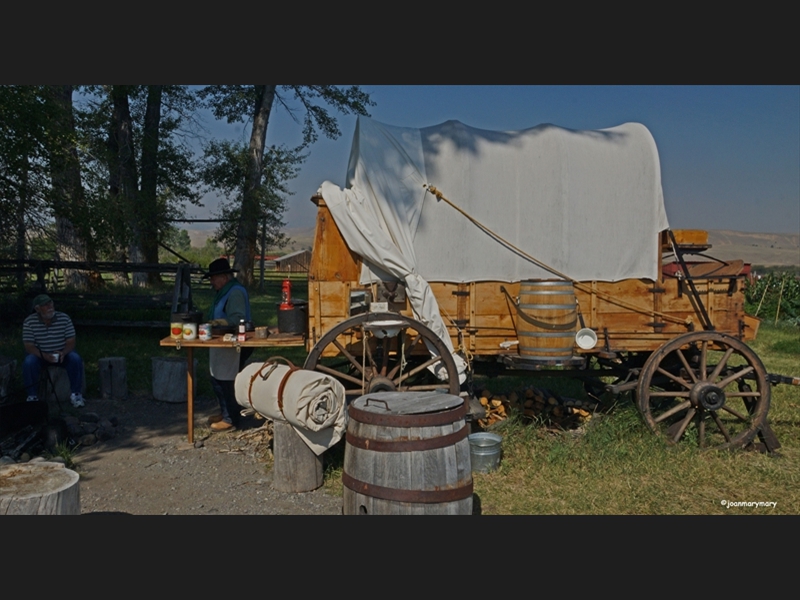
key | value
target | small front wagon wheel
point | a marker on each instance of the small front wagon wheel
(706, 388)
(382, 352)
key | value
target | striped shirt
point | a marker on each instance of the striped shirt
(50, 338)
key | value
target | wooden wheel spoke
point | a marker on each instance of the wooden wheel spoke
(385, 358)
(742, 394)
(722, 429)
(668, 394)
(349, 356)
(683, 425)
(410, 347)
(735, 413)
(685, 366)
(703, 358)
(369, 356)
(734, 377)
(677, 379)
(417, 369)
(672, 411)
(721, 365)
(338, 374)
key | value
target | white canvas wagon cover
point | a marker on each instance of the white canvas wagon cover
(587, 203)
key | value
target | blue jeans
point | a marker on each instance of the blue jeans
(32, 367)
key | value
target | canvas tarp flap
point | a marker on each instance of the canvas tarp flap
(313, 403)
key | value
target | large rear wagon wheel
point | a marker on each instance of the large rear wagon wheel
(705, 388)
(396, 356)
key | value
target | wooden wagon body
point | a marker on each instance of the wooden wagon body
(627, 315)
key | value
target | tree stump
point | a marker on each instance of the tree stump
(169, 378)
(42, 488)
(60, 386)
(296, 467)
(8, 366)
(113, 378)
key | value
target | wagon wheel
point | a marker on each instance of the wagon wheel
(704, 386)
(395, 358)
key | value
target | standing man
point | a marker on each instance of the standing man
(49, 339)
(231, 304)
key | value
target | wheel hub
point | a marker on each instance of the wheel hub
(380, 384)
(707, 396)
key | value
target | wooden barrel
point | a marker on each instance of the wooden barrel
(407, 453)
(546, 319)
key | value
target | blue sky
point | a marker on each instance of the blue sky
(730, 155)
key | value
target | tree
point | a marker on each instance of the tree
(240, 103)
(143, 169)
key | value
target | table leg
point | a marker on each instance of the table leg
(190, 392)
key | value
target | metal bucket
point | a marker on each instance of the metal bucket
(295, 319)
(546, 319)
(485, 450)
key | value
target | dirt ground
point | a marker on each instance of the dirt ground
(150, 468)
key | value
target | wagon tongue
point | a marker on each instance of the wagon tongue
(775, 379)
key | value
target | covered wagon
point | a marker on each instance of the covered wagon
(453, 248)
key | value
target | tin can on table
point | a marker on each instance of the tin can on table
(190, 331)
(204, 331)
(176, 331)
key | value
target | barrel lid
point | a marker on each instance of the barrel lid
(406, 403)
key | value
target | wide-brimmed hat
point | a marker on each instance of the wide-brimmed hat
(41, 299)
(221, 266)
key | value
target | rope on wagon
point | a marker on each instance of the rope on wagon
(579, 285)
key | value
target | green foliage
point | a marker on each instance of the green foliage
(235, 103)
(25, 136)
(774, 294)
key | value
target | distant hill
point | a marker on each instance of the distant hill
(768, 249)
(301, 238)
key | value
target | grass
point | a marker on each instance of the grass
(66, 453)
(617, 467)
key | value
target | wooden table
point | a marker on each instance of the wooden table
(275, 340)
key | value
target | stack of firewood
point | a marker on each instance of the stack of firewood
(536, 404)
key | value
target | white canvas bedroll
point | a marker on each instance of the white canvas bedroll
(313, 403)
(587, 203)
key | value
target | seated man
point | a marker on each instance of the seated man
(49, 339)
